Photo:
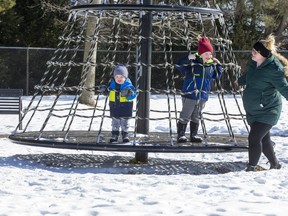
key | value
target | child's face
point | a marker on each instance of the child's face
(119, 79)
(206, 56)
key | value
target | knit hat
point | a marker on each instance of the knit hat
(204, 45)
(260, 48)
(121, 70)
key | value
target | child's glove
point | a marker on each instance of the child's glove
(127, 92)
(102, 89)
(191, 56)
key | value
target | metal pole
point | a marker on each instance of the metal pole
(143, 105)
(27, 71)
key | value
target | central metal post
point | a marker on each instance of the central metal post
(143, 105)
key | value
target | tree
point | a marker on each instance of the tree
(87, 96)
(251, 20)
(21, 24)
(6, 4)
(276, 20)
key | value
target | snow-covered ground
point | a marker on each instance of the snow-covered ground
(47, 181)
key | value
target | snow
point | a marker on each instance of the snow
(47, 181)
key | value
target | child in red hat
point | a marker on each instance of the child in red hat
(199, 70)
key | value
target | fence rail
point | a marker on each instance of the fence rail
(23, 67)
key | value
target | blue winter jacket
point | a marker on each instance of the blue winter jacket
(201, 73)
(121, 106)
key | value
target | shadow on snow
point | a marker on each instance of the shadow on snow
(87, 163)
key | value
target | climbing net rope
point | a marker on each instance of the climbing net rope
(117, 35)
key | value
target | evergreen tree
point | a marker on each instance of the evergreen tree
(250, 20)
(6, 4)
(33, 23)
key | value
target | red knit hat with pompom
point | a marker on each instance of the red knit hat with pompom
(204, 45)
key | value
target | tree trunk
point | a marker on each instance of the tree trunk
(282, 24)
(88, 97)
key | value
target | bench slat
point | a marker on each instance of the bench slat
(11, 103)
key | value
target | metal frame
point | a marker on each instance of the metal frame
(158, 142)
(145, 7)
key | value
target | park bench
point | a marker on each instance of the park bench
(11, 102)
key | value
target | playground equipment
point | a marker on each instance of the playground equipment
(148, 38)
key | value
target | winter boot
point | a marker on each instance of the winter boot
(250, 168)
(114, 137)
(125, 137)
(254, 168)
(275, 164)
(193, 132)
(181, 128)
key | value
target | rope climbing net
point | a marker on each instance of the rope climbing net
(145, 38)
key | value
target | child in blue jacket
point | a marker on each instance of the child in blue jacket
(121, 95)
(199, 70)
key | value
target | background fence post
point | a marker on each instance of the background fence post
(27, 71)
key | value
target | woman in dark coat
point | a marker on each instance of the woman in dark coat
(265, 82)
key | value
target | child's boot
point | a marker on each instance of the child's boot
(114, 137)
(181, 128)
(125, 137)
(193, 132)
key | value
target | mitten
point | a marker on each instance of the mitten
(127, 92)
(102, 89)
(191, 56)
